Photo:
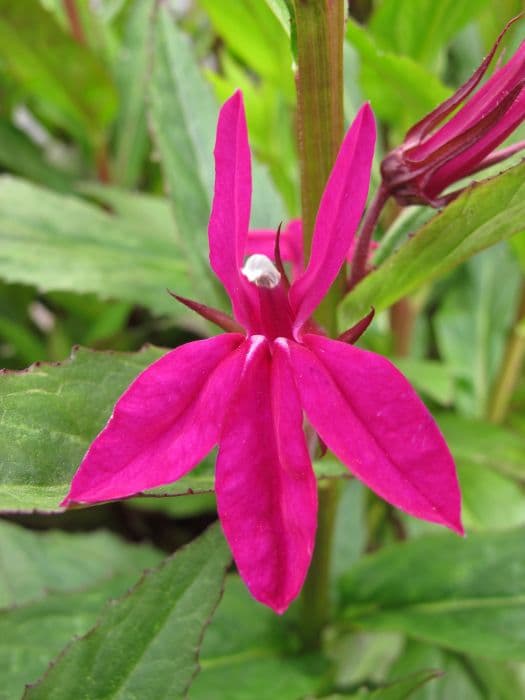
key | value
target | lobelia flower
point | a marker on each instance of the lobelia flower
(249, 391)
(433, 157)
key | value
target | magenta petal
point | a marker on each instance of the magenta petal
(164, 424)
(371, 418)
(230, 215)
(265, 486)
(338, 217)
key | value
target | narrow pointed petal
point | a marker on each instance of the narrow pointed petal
(339, 214)
(165, 422)
(265, 486)
(230, 215)
(371, 418)
(291, 245)
(227, 323)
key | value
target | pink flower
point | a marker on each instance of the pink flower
(248, 391)
(430, 159)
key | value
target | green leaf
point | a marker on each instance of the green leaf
(147, 643)
(249, 653)
(257, 36)
(431, 378)
(20, 155)
(464, 594)
(421, 29)
(52, 413)
(39, 564)
(484, 444)
(53, 589)
(401, 90)
(485, 214)
(184, 117)
(132, 73)
(281, 11)
(56, 242)
(68, 84)
(472, 324)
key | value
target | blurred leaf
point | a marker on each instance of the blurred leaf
(25, 342)
(184, 116)
(248, 653)
(465, 594)
(431, 378)
(350, 527)
(56, 586)
(281, 11)
(50, 416)
(132, 74)
(483, 444)
(472, 324)
(421, 29)
(490, 501)
(462, 678)
(256, 34)
(147, 643)
(47, 563)
(63, 243)
(487, 213)
(19, 155)
(68, 83)
(518, 245)
(401, 90)
(400, 689)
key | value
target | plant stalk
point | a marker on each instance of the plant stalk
(510, 368)
(319, 82)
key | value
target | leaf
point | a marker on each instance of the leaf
(467, 595)
(401, 90)
(256, 34)
(281, 11)
(462, 678)
(472, 323)
(60, 583)
(431, 378)
(249, 653)
(132, 73)
(56, 242)
(147, 643)
(485, 445)
(52, 412)
(41, 564)
(486, 213)
(183, 117)
(421, 29)
(68, 84)
(20, 155)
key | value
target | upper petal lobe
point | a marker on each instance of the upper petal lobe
(164, 423)
(265, 486)
(371, 418)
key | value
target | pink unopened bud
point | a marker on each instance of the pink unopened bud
(434, 155)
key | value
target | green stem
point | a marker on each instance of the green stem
(510, 368)
(320, 31)
(315, 596)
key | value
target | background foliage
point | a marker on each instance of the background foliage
(107, 124)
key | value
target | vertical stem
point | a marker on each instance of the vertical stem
(75, 24)
(315, 596)
(320, 31)
(403, 315)
(510, 367)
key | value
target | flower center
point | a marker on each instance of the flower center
(261, 271)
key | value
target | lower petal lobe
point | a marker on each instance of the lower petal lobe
(266, 489)
(370, 417)
(165, 422)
